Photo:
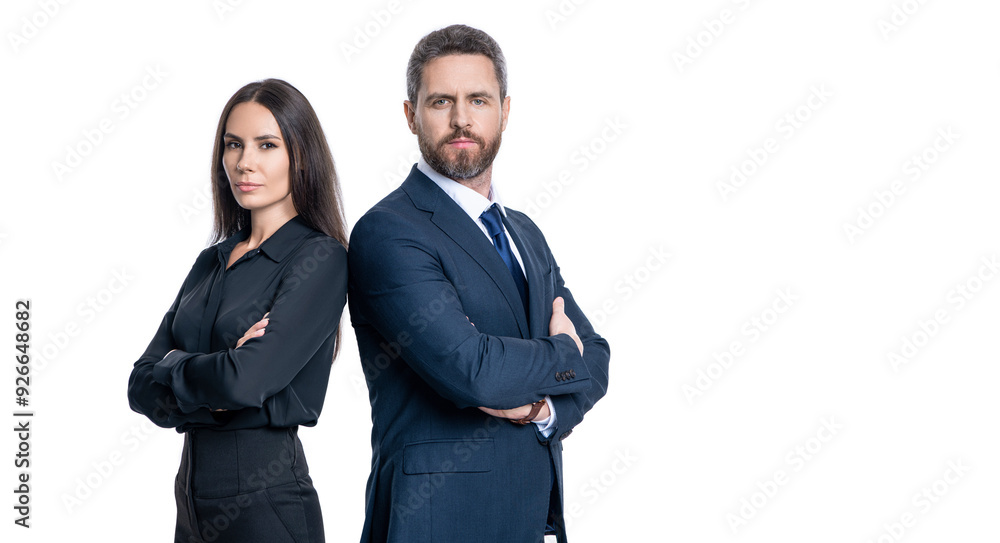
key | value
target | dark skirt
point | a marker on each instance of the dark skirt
(246, 486)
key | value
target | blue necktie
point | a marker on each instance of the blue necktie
(494, 226)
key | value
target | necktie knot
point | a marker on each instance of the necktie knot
(492, 220)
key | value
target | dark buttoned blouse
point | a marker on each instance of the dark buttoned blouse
(279, 379)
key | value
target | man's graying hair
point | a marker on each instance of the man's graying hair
(454, 40)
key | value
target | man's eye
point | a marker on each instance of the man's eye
(479, 101)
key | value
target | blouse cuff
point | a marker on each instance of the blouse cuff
(162, 369)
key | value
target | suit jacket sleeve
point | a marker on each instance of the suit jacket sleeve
(571, 407)
(156, 401)
(306, 310)
(398, 285)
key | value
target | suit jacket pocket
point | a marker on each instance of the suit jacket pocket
(448, 456)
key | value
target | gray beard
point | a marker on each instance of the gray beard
(467, 165)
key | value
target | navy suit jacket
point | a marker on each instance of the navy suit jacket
(441, 330)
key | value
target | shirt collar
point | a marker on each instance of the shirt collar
(276, 247)
(468, 199)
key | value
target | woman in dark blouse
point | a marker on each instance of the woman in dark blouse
(243, 356)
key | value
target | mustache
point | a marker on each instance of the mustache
(462, 133)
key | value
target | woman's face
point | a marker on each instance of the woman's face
(256, 160)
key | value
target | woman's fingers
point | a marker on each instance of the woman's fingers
(256, 330)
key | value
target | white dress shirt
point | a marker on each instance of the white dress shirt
(474, 204)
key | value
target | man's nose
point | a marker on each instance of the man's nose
(460, 116)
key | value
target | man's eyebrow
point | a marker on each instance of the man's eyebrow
(438, 95)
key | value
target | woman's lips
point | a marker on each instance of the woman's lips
(247, 187)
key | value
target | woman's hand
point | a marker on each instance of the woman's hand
(256, 330)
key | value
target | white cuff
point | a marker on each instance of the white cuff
(547, 425)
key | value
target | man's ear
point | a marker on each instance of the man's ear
(410, 113)
(504, 111)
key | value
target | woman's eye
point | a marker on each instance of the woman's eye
(267, 145)
(232, 145)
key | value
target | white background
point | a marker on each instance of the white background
(651, 462)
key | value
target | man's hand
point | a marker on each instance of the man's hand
(560, 323)
(517, 412)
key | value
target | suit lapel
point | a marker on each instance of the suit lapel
(457, 225)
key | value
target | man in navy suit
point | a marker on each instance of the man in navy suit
(478, 360)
